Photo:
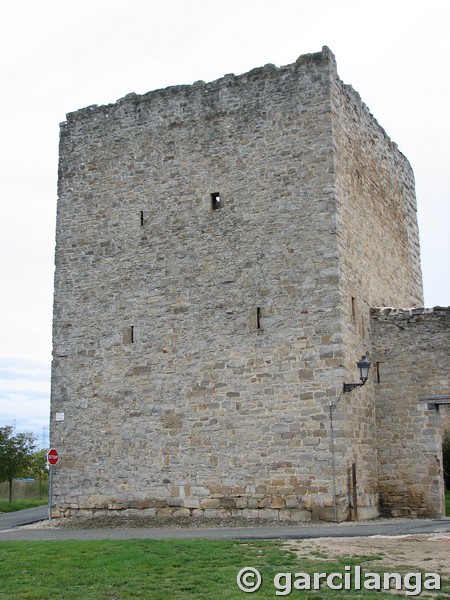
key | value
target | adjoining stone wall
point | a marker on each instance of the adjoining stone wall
(411, 350)
(445, 415)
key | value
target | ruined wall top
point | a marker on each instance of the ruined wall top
(303, 62)
(268, 70)
(386, 313)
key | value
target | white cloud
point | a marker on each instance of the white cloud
(25, 396)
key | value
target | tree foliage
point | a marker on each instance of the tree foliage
(38, 462)
(15, 454)
(446, 457)
(38, 467)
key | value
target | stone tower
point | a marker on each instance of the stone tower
(219, 247)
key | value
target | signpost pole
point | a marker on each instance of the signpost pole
(52, 459)
(50, 494)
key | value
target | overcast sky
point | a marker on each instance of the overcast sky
(60, 55)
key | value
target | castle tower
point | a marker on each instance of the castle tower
(218, 249)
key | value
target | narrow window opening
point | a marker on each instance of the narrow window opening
(353, 307)
(377, 369)
(132, 334)
(142, 217)
(215, 201)
(258, 317)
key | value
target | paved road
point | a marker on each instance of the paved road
(23, 517)
(8, 531)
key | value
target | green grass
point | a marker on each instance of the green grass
(5, 506)
(447, 503)
(25, 494)
(157, 570)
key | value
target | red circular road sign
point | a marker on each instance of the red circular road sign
(52, 456)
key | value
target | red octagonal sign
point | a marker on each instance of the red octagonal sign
(52, 456)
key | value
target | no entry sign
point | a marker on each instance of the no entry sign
(52, 456)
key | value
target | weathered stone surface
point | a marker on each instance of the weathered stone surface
(291, 502)
(164, 512)
(277, 503)
(412, 351)
(191, 502)
(174, 501)
(208, 503)
(297, 514)
(218, 249)
(181, 512)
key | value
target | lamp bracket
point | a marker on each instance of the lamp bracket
(348, 387)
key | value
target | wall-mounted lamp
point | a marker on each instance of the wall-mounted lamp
(363, 365)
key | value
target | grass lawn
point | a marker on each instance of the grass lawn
(158, 570)
(25, 495)
(5, 506)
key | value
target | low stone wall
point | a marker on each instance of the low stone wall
(217, 504)
(411, 357)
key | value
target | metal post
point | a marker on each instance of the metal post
(50, 493)
(355, 498)
(333, 465)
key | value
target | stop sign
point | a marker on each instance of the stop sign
(52, 456)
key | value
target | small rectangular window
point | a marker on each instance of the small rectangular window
(215, 201)
(258, 317)
(142, 218)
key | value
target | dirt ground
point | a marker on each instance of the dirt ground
(407, 553)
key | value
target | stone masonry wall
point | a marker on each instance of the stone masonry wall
(202, 313)
(379, 265)
(194, 348)
(411, 350)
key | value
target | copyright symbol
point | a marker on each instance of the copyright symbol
(249, 579)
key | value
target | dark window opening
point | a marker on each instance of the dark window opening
(132, 334)
(353, 307)
(258, 317)
(377, 369)
(215, 201)
(142, 217)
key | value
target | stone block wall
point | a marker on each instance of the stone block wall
(194, 346)
(411, 357)
(207, 306)
(379, 264)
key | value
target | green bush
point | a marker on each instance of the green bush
(446, 458)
